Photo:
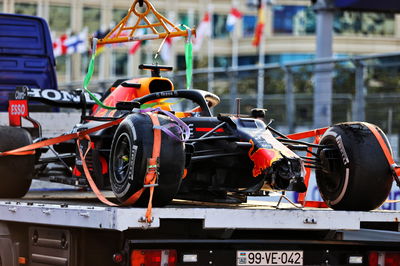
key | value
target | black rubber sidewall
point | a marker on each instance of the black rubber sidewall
(15, 171)
(139, 128)
(369, 179)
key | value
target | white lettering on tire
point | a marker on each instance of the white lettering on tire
(340, 144)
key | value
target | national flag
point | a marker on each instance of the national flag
(259, 30)
(100, 49)
(100, 34)
(59, 47)
(233, 17)
(77, 43)
(202, 31)
(166, 50)
(135, 47)
(122, 34)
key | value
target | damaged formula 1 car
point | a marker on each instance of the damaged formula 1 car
(203, 157)
(149, 143)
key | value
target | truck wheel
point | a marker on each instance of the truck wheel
(15, 171)
(132, 145)
(356, 174)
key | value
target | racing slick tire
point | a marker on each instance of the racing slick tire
(132, 145)
(15, 171)
(356, 174)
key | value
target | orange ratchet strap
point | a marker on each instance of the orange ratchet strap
(92, 184)
(395, 168)
(30, 149)
(152, 167)
(150, 178)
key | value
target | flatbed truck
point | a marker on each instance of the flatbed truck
(72, 228)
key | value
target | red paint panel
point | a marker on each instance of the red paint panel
(263, 159)
(16, 110)
(207, 129)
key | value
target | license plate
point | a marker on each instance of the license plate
(266, 258)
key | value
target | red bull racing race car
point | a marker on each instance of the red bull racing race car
(156, 143)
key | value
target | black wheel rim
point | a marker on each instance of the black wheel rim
(122, 158)
(332, 182)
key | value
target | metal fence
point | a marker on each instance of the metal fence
(365, 88)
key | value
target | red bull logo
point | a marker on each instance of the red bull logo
(262, 158)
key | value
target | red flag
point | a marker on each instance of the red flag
(59, 46)
(259, 30)
(202, 31)
(135, 47)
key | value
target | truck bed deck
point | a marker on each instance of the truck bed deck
(82, 209)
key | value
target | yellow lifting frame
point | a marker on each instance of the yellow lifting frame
(114, 36)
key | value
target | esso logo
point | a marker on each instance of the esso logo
(18, 109)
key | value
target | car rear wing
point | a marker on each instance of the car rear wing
(18, 101)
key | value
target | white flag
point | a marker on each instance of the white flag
(166, 51)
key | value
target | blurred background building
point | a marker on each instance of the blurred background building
(227, 62)
(289, 32)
